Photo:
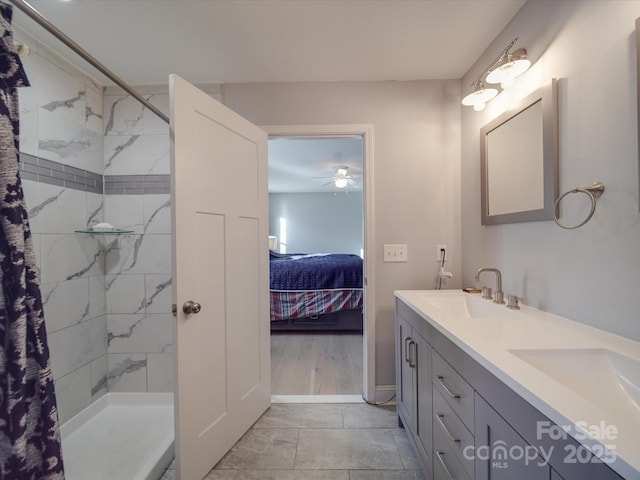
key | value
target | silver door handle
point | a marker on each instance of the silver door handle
(444, 465)
(191, 307)
(446, 389)
(411, 356)
(406, 350)
(439, 417)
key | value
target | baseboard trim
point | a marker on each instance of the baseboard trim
(317, 399)
(385, 394)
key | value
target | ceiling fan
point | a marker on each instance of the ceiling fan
(341, 179)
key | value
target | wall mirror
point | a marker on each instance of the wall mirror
(519, 161)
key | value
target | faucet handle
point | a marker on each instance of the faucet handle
(486, 293)
(512, 302)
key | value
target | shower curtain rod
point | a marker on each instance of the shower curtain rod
(60, 35)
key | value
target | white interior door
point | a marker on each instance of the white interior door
(220, 261)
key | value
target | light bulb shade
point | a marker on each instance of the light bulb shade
(340, 182)
(478, 107)
(510, 67)
(479, 97)
(507, 83)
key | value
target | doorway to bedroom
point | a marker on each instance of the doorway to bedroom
(317, 250)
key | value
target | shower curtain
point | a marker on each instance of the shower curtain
(29, 435)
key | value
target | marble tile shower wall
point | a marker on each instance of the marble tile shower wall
(138, 266)
(107, 298)
(61, 151)
(90, 155)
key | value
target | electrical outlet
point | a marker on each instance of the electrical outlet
(439, 253)
(395, 253)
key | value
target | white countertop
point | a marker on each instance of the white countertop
(491, 342)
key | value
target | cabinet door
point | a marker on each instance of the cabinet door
(500, 453)
(405, 352)
(424, 398)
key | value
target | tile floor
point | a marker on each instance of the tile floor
(320, 442)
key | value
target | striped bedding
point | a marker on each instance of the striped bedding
(286, 304)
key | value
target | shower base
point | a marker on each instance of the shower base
(120, 436)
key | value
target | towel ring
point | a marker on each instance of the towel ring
(594, 191)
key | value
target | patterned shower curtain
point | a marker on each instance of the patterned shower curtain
(29, 434)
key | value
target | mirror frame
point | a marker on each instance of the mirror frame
(548, 96)
(638, 97)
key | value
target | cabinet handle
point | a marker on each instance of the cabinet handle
(406, 350)
(444, 465)
(446, 389)
(439, 417)
(411, 354)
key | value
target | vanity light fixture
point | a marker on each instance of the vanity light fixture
(503, 70)
(480, 96)
(510, 66)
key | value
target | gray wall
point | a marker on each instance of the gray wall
(318, 222)
(591, 274)
(416, 156)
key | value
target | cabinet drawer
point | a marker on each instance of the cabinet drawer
(453, 431)
(454, 389)
(446, 465)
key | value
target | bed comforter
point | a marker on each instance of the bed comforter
(315, 271)
(309, 285)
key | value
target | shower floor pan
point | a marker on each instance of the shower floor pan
(120, 436)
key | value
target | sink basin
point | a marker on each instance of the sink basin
(467, 305)
(606, 378)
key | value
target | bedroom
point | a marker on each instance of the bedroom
(315, 208)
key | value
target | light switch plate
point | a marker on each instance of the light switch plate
(395, 252)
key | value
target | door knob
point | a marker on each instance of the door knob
(191, 307)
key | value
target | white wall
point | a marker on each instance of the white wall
(591, 274)
(318, 222)
(416, 156)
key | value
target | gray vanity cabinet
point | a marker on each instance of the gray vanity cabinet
(405, 394)
(500, 453)
(413, 397)
(458, 415)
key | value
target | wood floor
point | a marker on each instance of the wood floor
(316, 364)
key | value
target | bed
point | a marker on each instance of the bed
(317, 291)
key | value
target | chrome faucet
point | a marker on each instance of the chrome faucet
(499, 294)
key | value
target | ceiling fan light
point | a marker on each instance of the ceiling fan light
(340, 182)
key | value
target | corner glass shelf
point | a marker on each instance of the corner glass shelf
(104, 232)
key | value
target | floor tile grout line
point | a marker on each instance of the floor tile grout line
(295, 457)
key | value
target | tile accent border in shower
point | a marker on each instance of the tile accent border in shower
(54, 173)
(136, 184)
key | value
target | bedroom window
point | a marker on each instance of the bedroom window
(283, 235)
